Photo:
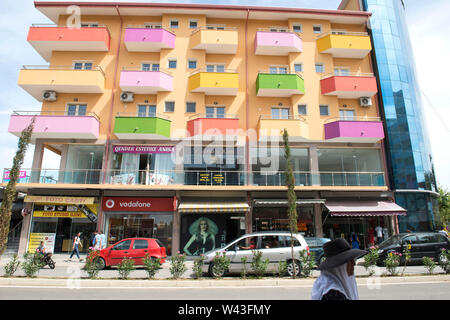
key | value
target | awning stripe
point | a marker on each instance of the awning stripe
(364, 208)
(282, 202)
(202, 207)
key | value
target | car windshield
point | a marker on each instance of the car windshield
(391, 241)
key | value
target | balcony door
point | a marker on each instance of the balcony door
(215, 112)
(278, 69)
(150, 66)
(215, 68)
(76, 109)
(348, 115)
(147, 111)
(280, 113)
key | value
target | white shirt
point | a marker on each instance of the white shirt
(379, 231)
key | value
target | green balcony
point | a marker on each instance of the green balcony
(279, 84)
(148, 128)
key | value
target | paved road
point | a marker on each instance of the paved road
(386, 291)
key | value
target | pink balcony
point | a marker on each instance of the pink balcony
(55, 125)
(145, 82)
(48, 38)
(277, 43)
(148, 40)
(352, 86)
(354, 131)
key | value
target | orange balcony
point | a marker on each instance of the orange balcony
(205, 125)
(349, 86)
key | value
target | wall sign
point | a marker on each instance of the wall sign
(144, 149)
(138, 204)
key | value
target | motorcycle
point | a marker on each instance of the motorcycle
(46, 259)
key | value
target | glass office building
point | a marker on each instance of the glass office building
(407, 141)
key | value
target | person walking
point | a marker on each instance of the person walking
(97, 241)
(103, 237)
(379, 231)
(337, 280)
(75, 246)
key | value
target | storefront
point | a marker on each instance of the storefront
(350, 219)
(56, 220)
(131, 217)
(210, 225)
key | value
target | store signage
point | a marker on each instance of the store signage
(49, 210)
(211, 178)
(60, 199)
(6, 175)
(144, 149)
(138, 204)
(36, 238)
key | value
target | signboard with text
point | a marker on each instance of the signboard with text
(138, 204)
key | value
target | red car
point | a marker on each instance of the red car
(134, 248)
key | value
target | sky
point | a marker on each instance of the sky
(429, 31)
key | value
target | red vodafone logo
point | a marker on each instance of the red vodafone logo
(137, 204)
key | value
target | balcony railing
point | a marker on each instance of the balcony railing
(215, 28)
(213, 116)
(139, 115)
(71, 68)
(54, 113)
(198, 177)
(342, 33)
(355, 118)
(212, 71)
(346, 74)
(158, 69)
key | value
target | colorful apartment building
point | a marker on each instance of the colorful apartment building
(169, 115)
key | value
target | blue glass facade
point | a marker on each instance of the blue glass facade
(407, 141)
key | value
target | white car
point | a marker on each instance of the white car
(274, 245)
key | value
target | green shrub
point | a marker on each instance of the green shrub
(391, 263)
(244, 272)
(429, 264)
(177, 266)
(282, 268)
(197, 267)
(151, 266)
(370, 260)
(307, 262)
(125, 267)
(32, 264)
(444, 260)
(258, 265)
(220, 265)
(12, 266)
(92, 264)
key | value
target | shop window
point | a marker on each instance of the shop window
(140, 244)
(84, 164)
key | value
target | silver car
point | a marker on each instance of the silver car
(274, 245)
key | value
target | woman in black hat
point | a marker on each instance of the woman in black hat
(337, 280)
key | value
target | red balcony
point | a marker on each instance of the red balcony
(349, 86)
(205, 125)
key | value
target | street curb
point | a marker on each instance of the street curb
(88, 283)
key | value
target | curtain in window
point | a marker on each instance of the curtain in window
(129, 169)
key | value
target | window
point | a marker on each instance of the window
(76, 109)
(124, 245)
(215, 68)
(298, 67)
(89, 24)
(341, 71)
(297, 27)
(192, 64)
(190, 106)
(285, 242)
(172, 64)
(302, 109)
(150, 67)
(215, 112)
(280, 113)
(82, 65)
(215, 26)
(193, 24)
(279, 29)
(169, 106)
(149, 25)
(270, 242)
(346, 114)
(324, 110)
(174, 24)
(317, 28)
(278, 69)
(320, 68)
(140, 244)
(410, 239)
(146, 111)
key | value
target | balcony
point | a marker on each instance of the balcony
(207, 126)
(214, 83)
(277, 43)
(279, 85)
(55, 125)
(270, 127)
(141, 39)
(342, 44)
(356, 129)
(213, 41)
(145, 82)
(62, 79)
(349, 86)
(46, 39)
(131, 127)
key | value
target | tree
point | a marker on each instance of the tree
(9, 195)
(444, 205)
(292, 198)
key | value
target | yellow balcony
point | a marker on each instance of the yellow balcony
(214, 83)
(215, 41)
(270, 128)
(36, 80)
(342, 44)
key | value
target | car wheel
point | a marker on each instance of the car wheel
(216, 271)
(100, 262)
(293, 267)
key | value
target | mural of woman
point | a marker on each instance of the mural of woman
(203, 238)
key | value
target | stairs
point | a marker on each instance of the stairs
(12, 247)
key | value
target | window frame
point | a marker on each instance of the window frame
(192, 60)
(196, 23)
(297, 25)
(345, 117)
(280, 115)
(215, 107)
(215, 65)
(177, 22)
(171, 60)
(77, 109)
(165, 106)
(83, 64)
(278, 69)
(319, 26)
(322, 66)
(195, 106)
(328, 110)
(298, 64)
(151, 66)
(306, 109)
(148, 114)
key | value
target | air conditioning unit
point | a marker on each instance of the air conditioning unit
(365, 102)
(49, 96)
(127, 97)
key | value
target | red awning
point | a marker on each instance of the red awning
(364, 208)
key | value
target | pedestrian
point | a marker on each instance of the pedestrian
(337, 280)
(371, 237)
(97, 241)
(379, 231)
(93, 238)
(103, 237)
(75, 246)
(355, 241)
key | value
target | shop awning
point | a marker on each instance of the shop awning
(201, 207)
(284, 202)
(364, 208)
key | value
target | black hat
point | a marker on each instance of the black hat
(338, 252)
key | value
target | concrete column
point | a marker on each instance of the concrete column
(23, 242)
(37, 162)
(249, 215)
(314, 166)
(318, 228)
(176, 227)
(62, 163)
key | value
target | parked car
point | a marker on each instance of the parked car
(134, 248)
(316, 246)
(274, 245)
(423, 244)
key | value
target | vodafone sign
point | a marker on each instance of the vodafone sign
(138, 204)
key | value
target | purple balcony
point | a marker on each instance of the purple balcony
(354, 131)
(148, 40)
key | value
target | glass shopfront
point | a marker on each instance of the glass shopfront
(84, 164)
